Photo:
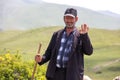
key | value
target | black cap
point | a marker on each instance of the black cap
(70, 12)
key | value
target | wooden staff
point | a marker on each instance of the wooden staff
(36, 62)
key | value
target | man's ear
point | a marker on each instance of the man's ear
(76, 18)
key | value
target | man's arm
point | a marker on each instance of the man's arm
(86, 44)
(46, 57)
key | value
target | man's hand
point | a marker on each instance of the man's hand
(84, 29)
(38, 58)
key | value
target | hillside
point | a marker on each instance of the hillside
(103, 64)
(27, 14)
(17, 38)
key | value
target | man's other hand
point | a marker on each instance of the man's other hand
(38, 58)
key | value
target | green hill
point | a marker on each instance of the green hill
(102, 65)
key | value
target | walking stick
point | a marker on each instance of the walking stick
(36, 62)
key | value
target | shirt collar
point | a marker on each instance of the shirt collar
(74, 30)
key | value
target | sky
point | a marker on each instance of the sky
(109, 5)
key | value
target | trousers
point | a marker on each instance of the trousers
(60, 74)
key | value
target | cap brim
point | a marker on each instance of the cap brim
(69, 15)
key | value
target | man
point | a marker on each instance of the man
(66, 50)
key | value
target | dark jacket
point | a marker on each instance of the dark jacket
(75, 65)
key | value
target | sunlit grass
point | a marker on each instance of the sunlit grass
(106, 45)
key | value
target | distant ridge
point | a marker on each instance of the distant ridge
(27, 14)
(110, 13)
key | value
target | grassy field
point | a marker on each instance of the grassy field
(104, 64)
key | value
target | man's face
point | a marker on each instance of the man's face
(70, 21)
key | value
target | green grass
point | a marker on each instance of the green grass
(102, 65)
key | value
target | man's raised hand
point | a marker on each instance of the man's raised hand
(84, 29)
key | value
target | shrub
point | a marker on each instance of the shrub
(13, 68)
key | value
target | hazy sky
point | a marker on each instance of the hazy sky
(111, 5)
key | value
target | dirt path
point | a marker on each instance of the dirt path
(99, 67)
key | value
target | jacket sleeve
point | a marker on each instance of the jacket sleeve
(46, 57)
(86, 44)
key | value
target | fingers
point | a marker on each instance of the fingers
(84, 29)
(38, 58)
(81, 29)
